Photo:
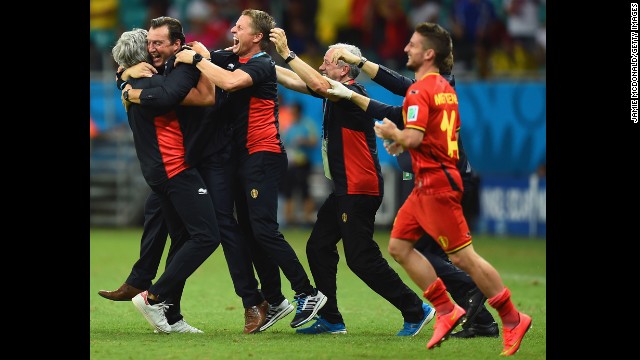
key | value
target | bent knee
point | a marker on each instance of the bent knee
(399, 249)
(463, 259)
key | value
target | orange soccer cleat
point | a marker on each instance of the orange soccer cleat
(513, 337)
(445, 324)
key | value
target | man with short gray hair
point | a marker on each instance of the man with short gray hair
(350, 159)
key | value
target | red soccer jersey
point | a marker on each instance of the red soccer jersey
(431, 106)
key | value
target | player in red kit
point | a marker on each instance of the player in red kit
(432, 121)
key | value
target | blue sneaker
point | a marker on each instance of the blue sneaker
(412, 329)
(322, 326)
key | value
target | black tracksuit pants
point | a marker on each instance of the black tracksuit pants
(351, 218)
(218, 173)
(186, 203)
(260, 175)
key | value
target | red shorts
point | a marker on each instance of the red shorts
(440, 215)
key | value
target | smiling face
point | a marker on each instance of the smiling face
(415, 52)
(159, 45)
(245, 41)
(332, 70)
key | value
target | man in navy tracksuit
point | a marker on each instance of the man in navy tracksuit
(207, 143)
(247, 75)
(183, 194)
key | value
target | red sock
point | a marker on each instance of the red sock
(508, 313)
(437, 295)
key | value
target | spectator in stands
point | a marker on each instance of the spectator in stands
(206, 26)
(472, 24)
(299, 20)
(103, 25)
(523, 23)
(390, 32)
(424, 10)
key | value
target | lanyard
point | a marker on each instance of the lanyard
(324, 109)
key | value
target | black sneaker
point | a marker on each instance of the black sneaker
(475, 301)
(479, 330)
(307, 307)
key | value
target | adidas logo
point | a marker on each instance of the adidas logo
(202, 191)
(230, 66)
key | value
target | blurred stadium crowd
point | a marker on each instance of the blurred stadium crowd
(493, 39)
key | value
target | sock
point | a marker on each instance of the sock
(152, 299)
(436, 293)
(508, 313)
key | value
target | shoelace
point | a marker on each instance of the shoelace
(164, 307)
(306, 303)
(299, 304)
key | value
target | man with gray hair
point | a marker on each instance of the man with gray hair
(350, 159)
(159, 142)
(131, 48)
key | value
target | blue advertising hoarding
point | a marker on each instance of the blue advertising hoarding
(513, 205)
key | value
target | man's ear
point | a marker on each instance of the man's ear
(346, 69)
(430, 54)
(258, 37)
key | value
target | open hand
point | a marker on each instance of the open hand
(139, 70)
(199, 47)
(344, 55)
(279, 39)
(185, 56)
(338, 89)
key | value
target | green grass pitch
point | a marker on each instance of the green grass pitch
(118, 331)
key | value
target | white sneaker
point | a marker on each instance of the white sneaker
(182, 327)
(153, 313)
(276, 313)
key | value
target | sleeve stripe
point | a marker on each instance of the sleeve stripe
(415, 127)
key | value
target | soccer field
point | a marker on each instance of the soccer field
(118, 331)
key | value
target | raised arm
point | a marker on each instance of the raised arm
(377, 109)
(387, 78)
(312, 78)
(291, 80)
(227, 80)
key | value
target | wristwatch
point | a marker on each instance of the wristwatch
(291, 56)
(197, 58)
(362, 61)
(125, 94)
